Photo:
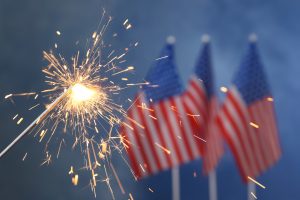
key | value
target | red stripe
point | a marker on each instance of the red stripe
(183, 132)
(129, 150)
(258, 139)
(238, 134)
(260, 134)
(140, 145)
(232, 147)
(264, 109)
(202, 103)
(148, 134)
(245, 124)
(160, 135)
(196, 128)
(171, 134)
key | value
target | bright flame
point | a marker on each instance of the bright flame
(81, 93)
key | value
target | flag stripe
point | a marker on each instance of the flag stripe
(244, 120)
(149, 141)
(166, 133)
(234, 144)
(165, 111)
(235, 122)
(187, 127)
(140, 137)
(134, 152)
(179, 116)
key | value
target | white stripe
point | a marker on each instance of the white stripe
(176, 130)
(260, 135)
(189, 133)
(153, 134)
(237, 144)
(146, 146)
(244, 133)
(256, 156)
(265, 118)
(165, 133)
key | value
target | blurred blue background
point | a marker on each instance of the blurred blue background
(28, 27)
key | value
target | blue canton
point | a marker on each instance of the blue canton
(250, 78)
(203, 69)
(163, 77)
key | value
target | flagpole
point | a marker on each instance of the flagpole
(175, 183)
(212, 183)
(212, 176)
(251, 187)
(251, 191)
(175, 170)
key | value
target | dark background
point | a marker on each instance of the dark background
(27, 27)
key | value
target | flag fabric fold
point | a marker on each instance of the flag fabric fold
(247, 118)
(212, 149)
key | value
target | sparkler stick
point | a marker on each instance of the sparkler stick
(35, 122)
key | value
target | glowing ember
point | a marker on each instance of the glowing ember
(81, 93)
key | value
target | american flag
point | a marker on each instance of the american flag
(166, 125)
(213, 148)
(162, 129)
(247, 118)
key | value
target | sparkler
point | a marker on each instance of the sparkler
(81, 93)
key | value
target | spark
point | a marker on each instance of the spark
(20, 94)
(150, 190)
(257, 183)
(125, 22)
(125, 70)
(130, 196)
(71, 170)
(128, 26)
(20, 120)
(7, 96)
(24, 157)
(153, 117)
(15, 116)
(135, 84)
(254, 125)
(163, 148)
(253, 195)
(142, 168)
(75, 179)
(163, 57)
(270, 99)
(223, 89)
(34, 106)
(199, 138)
